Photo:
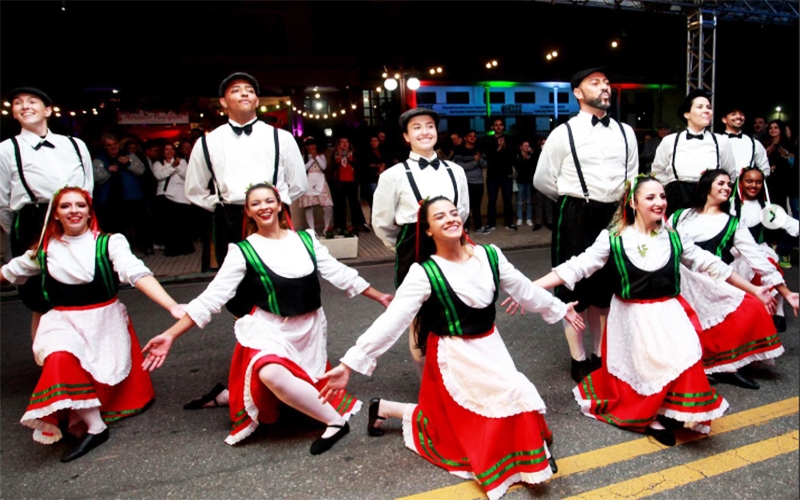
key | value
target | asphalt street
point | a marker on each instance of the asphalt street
(168, 452)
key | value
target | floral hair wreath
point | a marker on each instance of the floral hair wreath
(631, 186)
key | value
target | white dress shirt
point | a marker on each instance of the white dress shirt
(241, 160)
(395, 205)
(46, 170)
(176, 176)
(601, 153)
(748, 151)
(693, 157)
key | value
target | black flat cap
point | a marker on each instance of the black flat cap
(686, 104)
(578, 77)
(32, 91)
(238, 76)
(411, 113)
(730, 108)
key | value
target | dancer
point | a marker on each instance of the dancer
(270, 282)
(583, 166)
(470, 385)
(737, 329)
(86, 344)
(652, 357)
(751, 199)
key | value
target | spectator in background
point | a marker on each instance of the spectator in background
(499, 177)
(318, 193)
(542, 205)
(456, 139)
(174, 209)
(760, 128)
(783, 182)
(472, 161)
(376, 163)
(524, 167)
(649, 148)
(184, 149)
(345, 191)
(118, 197)
(444, 148)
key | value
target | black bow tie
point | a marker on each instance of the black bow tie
(45, 143)
(604, 120)
(734, 136)
(424, 163)
(247, 129)
(689, 135)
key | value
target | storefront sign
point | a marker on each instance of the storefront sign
(502, 109)
(142, 117)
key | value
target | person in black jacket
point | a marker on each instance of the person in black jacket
(524, 167)
(499, 176)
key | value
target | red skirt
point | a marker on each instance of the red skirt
(252, 403)
(497, 452)
(688, 398)
(746, 335)
(64, 385)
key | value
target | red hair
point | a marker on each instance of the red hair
(53, 227)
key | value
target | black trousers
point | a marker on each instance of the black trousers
(346, 193)
(679, 195)
(25, 233)
(475, 201)
(505, 186)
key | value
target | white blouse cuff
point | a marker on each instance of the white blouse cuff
(357, 288)
(772, 279)
(555, 311)
(359, 361)
(569, 276)
(137, 277)
(199, 314)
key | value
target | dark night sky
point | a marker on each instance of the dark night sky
(140, 46)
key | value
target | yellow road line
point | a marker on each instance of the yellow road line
(626, 451)
(667, 479)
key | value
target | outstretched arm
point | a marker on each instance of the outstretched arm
(153, 289)
(155, 352)
(762, 293)
(384, 298)
(791, 297)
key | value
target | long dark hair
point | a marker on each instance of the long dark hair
(703, 187)
(426, 247)
(249, 225)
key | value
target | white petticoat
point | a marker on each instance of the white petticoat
(98, 337)
(712, 301)
(300, 339)
(480, 376)
(650, 344)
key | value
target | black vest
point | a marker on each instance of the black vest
(444, 314)
(101, 289)
(721, 244)
(271, 292)
(635, 283)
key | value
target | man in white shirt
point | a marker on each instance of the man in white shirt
(33, 166)
(233, 156)
(682, 157)
(402, 187)
(583, 166)
(747, 152)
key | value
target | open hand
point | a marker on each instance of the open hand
(337, 381)
(155, 352)
(765, 296)
(513, 307)
(574, 318)
(793, 300)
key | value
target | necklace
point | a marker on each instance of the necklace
(642, 249)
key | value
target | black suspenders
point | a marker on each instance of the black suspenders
(18, 157)
(414, 187)
(578, 163)
(675, 151)
(753, 153)
(214, 186)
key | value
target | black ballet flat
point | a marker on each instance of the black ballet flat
(580, 369)
(552, 461)
(87, 444)
(202, 401)
(663, 436)
(737, 379)
(597, 362)
(322, 445)
(374, 404)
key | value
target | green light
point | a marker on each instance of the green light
(502, 84)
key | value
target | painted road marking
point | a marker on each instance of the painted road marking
(667, 479)
(625, 451)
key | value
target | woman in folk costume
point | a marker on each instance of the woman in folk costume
(737, 329)
(86, 345)
(652, 360)
(751, 198)
(470, 386)
(269, 281)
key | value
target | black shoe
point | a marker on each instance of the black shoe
(322, 445)
(736, 379)
(90, 442)
(511, 227)
(200, 403)
(780, 323)
(663, 436)
(364, 227)
(374, 404)
(711, 380)
(552, 462)
(669, 423)
(580, 369)
(549, 226)
(597, 362)
(536, 227)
